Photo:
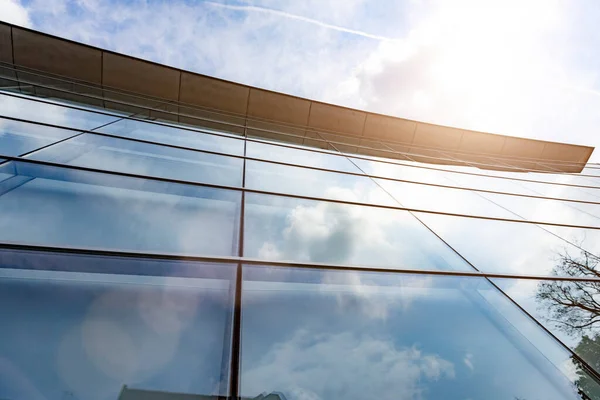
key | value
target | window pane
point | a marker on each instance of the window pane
(82, 327)
(174, 136)
(145, 159)
(499, 246)
(299, 156)
(24, 108)
(64, 207)
(281, 228)
(18, 138)
(348, 335)
(312, 183)
(431, 198)
(553, 211)
(568, 309)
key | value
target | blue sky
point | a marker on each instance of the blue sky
(523, 68)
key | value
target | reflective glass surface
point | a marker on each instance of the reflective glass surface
(553, 211)
(299, 156)
(455, 201)
(24, 108)
(122, 155)
(83, 327)
(568, 309)
(499, 246)
(312, 183)
(64, 207)
(329, 334)
(174, 136)
(280, 228)
(18, 138)
(384, 306)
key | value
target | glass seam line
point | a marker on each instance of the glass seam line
(290, 195)
(281, 263)
(81, 132)
(224, 134)
(362, 174)
(167, 103)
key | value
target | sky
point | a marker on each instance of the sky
(521, 68)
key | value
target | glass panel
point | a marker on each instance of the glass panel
(348, 335)
(18, 138)
(499, 246)
(553, 211)
(281, 228)
(569, 310)
(31, 110)
(591, 171)
(403, 172)
(175, 136)
(64, 207)
(145, 159)
(85, 327)
(307, 182)
(431, 198)
(572, 179)
(473, 179)
(588, 239)
(299, 156)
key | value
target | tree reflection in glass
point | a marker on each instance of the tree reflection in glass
(570, 309)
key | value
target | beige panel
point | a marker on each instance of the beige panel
(479, 142)
(437, 136)
(517, 147)
(26, 77)
(337, 119)
(69, 96)
(315, 140)
(290, 131)
(56, 56)
(389, 128)
(213, 125)
(270, 135)
(213, 93)
(206, 118)
(138, 76)
(562, 152)
(5, 44)
(401, 148)
(278, 107)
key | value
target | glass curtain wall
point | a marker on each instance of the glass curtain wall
(140, 256)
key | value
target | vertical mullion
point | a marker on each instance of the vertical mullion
(237, 308)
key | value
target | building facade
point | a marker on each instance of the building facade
(169, 235)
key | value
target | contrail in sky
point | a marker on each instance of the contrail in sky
(284, 14)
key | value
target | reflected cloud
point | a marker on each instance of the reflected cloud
(319, 231)
(345, 365)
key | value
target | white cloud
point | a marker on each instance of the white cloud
(14, 12)
(344, 365)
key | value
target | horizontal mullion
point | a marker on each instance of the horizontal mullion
(289, 195)
(358, 174)
(292, 264)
